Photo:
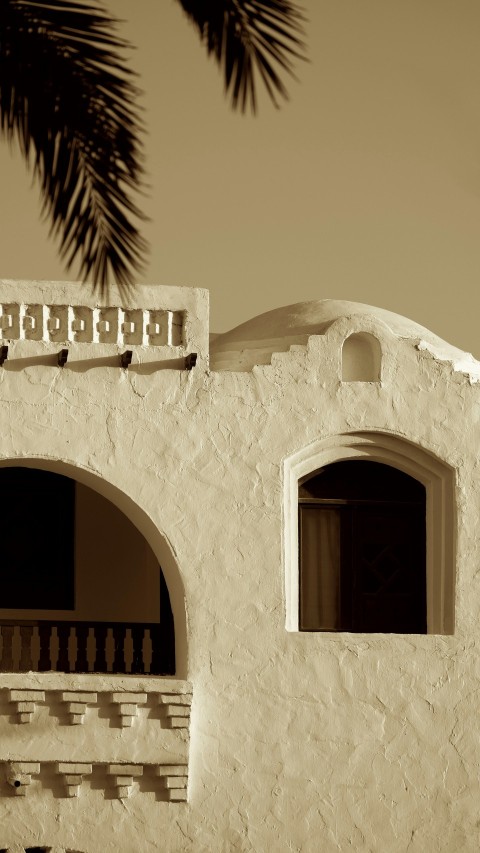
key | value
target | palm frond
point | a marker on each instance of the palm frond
(249, 35)
(68, 98)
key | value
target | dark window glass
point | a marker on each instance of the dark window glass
(37, 526)
(362, 550)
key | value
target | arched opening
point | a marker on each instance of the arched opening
(361, 358)
(362, 549)
(432, 473)
(81, 588)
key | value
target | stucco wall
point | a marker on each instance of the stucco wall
(298, 741)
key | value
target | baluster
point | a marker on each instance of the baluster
(44, 633)
(54, 648)
(109, 649)
(100, 633)
(118, 631)
(147, 650)
(137, 641)
(35, 648)
(156, 665)
(6, 664)
(26, 633)
(82, 638)
(63, 633)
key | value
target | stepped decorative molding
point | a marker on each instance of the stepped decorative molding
(19, 774)
(76, 705)
(129, 736)
(25, 702)
(169, 781)
(127, 706)
(73, 776)
(174, 705)
(175, 709)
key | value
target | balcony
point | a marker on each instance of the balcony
(95, 602)
(103, 647)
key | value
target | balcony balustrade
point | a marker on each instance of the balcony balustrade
(107, 647)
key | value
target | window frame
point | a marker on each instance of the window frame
(348, 571)
(439, 480)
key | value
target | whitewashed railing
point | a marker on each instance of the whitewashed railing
(117, 647)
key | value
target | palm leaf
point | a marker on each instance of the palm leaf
(67, 97)
(246, 36)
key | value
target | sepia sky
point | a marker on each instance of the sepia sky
(364, 186)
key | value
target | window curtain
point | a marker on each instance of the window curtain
(320, 568)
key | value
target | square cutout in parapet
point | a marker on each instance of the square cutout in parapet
(10, 322)
(82, 324)
(132, 326)
(157, 328)
(107, 325)
(57, 323)
(33, 323)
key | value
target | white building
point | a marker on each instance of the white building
(307, 490)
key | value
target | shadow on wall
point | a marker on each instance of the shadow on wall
(35, 850)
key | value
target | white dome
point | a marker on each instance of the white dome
(313, 318)
(277, 330)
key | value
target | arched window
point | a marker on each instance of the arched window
(362, 538)
(424, 467)
(80, 588)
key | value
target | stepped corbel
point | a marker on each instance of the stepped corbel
(73, 776)
(127, 706)
(174, 778)
(19, 775)
(123, 775)
(175, 708)
(76, 703)
(25, 702)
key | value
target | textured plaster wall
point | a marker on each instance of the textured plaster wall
(298, 742)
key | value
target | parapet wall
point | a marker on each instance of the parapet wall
(156, 323)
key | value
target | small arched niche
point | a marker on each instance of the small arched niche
(81, 589)
(361, 358)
